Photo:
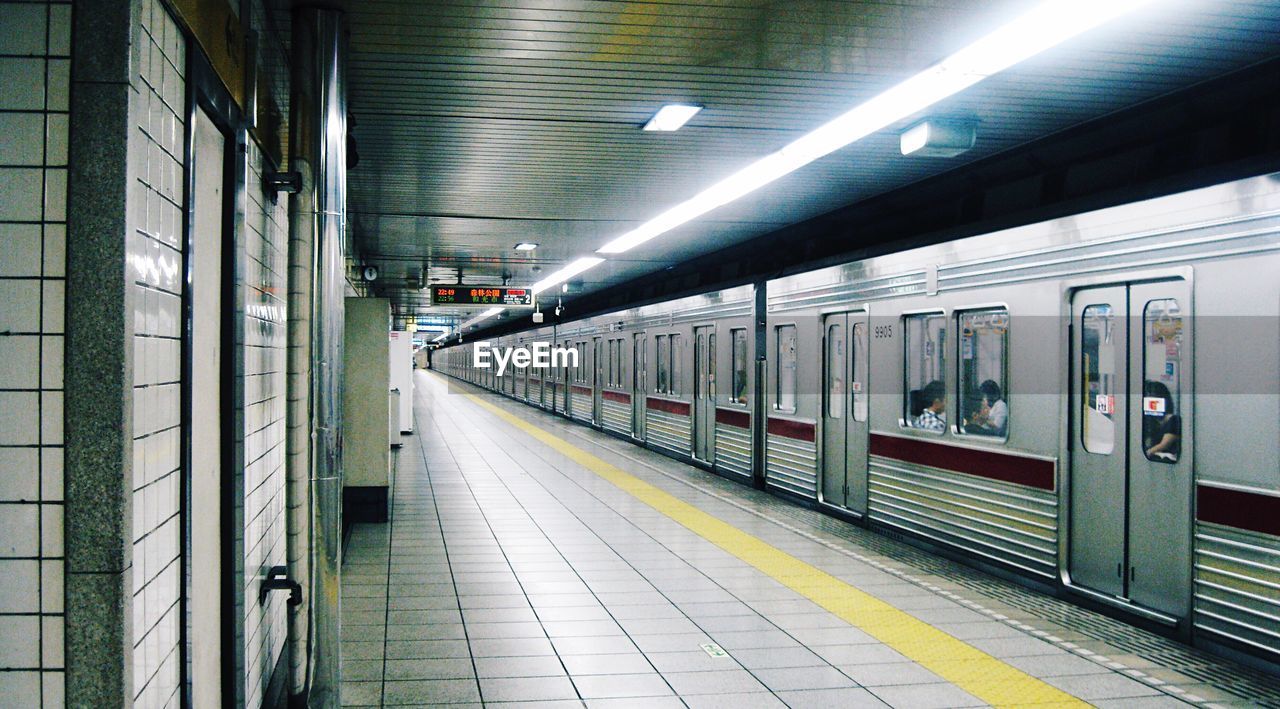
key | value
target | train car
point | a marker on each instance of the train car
(1090, 403)
(659, 369)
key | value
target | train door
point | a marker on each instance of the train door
(844, 410)
(704, 393)
(1131, 480)
(598, 365)
(639, 383)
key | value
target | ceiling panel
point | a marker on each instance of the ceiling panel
(485, 123)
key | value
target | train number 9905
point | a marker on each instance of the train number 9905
(883, 331)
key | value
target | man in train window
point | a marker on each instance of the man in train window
(934, 416)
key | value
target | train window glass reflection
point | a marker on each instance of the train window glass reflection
(1161, 372)
(925, 347)
(1098, 329)
(858, 388)
(983, 391)
(642, 368)
(711, 366)
(663, 354)
(835, 371)
(738, 339)
(786, 373)
(614, 363)
(677, 370)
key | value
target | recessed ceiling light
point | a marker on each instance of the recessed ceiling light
(671, 116)
(526, 246)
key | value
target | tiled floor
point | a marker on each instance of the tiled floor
(510, 574)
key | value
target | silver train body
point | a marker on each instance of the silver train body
(1127, 454)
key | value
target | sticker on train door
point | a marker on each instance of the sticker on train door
(1105, 404)
(1153, 405)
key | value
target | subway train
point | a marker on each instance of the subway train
(1089, 403)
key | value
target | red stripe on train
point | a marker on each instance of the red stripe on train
(619, 396)
(679, 408)
(733, 417)
(580, 389)
(799, 430)
(996, 465)
(1238, 508)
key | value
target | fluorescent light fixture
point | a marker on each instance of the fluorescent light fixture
(481, 317)
(441, 337)
(672, 116)
(526, 246)
(1043, 27)
(938, 138)
(564, 274)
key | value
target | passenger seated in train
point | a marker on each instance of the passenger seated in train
(992, 415)
(934, 415)
(1161, 426)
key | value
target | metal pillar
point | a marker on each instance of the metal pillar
(318, 211)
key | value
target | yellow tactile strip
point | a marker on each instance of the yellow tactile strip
(965, 666)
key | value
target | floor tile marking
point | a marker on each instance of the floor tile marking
(965, 666)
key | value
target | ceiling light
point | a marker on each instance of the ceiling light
(482, 316)
(526, 246)
(566, 273)
(672, 116)
(938, 138)
(1043, 27)
(441, 337)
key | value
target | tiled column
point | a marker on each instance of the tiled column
(34, 73)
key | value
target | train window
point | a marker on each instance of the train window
(641, 372)
(858, 388)
(738, 339)
(664, 355)
(835, 371)
(609, 363)
(1161, 373)
(622, 366)
(1098, 370)
(983, 392)
(677, 371)
(619, 381)
(786, 372)
(924, 344)
(711, 366)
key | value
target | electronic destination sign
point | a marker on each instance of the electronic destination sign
(481, 295)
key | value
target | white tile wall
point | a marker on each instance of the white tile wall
(154, 260)
(263, 280)
(34, 69)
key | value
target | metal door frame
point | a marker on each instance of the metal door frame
(703, 406)
(639, 381)
(598, 343)
(848, 490)
(1184, 274)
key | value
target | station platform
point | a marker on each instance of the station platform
(531, 561)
